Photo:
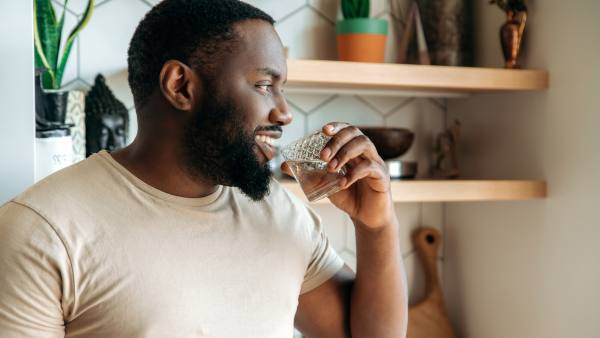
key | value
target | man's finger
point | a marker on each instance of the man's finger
(285, 168)
(338, 141)
(358, 147)
(332, 128)
(366, 168)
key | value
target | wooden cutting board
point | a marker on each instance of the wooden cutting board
(429, 318)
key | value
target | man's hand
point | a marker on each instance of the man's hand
(378, 305)
(365, 194)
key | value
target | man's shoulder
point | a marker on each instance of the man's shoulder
(66, 187)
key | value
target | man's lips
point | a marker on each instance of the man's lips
(265, 141)
(274, 134)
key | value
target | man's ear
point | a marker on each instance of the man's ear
(180, 85)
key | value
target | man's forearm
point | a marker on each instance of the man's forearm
(379, 306)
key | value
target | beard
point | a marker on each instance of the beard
(217, 149)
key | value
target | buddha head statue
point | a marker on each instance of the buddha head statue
(106, 119)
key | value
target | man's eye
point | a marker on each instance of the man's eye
(265, 89)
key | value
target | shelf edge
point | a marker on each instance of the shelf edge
(330, 75)
(455, 190)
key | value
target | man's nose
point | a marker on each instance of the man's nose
(281, 114)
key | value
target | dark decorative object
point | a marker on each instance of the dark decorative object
(511, 32)
(448, 26)
(58, 110)
(107, 119)
(389, 142)
(53, 142)
(50, 107)
(445, 163)
(413, 26)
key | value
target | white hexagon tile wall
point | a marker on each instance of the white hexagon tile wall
(307, 28)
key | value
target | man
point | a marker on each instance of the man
(183, 233)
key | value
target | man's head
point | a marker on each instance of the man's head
(212, 71)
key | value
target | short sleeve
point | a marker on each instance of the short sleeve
(324, 261)
(34, 270)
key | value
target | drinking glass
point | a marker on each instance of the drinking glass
(303, 158)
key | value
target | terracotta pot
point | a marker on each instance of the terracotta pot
(361, 39)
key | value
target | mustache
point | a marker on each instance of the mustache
(274, 127)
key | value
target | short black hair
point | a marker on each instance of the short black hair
(195, 32)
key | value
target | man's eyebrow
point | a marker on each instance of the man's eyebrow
(270, 71)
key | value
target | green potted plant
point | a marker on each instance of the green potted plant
(50, 59)
(59, 113)
(360, 38)
(47, 39)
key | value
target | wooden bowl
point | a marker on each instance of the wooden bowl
(390, 142)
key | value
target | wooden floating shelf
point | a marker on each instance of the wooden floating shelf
(454, 190)
(314, 76)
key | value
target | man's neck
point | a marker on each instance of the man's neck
(160, 166)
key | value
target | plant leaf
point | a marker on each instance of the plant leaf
(69, 44)
(45, 40)
(59, 30)
(52, 13)
(348, 9)
(356, 7)
(363, 10)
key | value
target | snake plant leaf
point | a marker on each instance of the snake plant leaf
(40, 59)
(363, 9)
(59, 28)
(72, 35)
(355, 8)
(51, 11)
(45, 35)
(348, 9)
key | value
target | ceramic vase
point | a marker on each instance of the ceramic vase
(511, 35)
(448, 31)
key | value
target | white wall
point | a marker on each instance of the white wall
(532, 269)
(17, 122)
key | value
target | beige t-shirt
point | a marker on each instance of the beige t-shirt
(92, 251)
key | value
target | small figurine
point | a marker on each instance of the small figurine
(445, 163)
(106, 119)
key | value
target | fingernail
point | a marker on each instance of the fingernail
(333, 163)
(325, 153)
(330, 128)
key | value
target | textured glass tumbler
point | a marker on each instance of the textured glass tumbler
(303, 158)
